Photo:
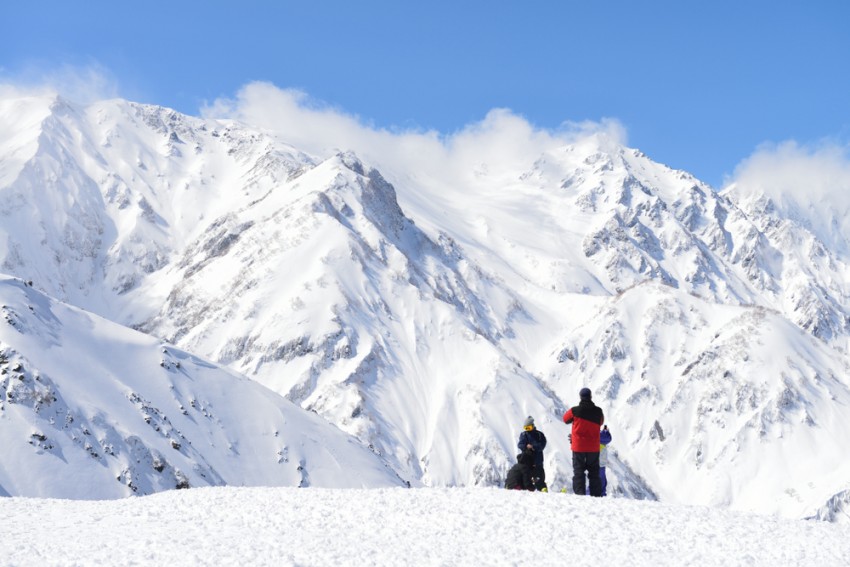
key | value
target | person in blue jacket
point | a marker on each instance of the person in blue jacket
(604, 440)
(534, 440)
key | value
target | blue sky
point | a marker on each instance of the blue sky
(697, 85)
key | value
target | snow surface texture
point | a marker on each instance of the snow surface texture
(426, 315)
(287, 526)
(90, 409)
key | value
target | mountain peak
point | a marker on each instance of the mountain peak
(428, 316)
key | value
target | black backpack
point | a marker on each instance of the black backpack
(526, 457)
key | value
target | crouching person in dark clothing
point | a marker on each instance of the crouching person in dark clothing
(533, 439)
(519, 475)
(586, 419)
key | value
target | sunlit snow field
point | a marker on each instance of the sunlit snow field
(290, 526)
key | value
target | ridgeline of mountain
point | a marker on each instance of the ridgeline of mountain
(428, 321)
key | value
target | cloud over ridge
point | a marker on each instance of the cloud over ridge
(502, 139)
(809, 182)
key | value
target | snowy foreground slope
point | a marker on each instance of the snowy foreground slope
(288, 526)
(90, 409)
(427, 312)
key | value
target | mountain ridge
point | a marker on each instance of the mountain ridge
(428, 319)
(93, 410)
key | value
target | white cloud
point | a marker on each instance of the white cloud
(79, 84)
(501, 140)
(806, 174)
(811, 183)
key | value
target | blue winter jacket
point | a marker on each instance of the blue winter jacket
(537, 441)
(604, 437)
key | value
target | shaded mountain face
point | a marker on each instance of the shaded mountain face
(427, 321)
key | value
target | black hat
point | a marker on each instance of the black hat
(584, 394)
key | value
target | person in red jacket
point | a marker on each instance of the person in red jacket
(586, 418)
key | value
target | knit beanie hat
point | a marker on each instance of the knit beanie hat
(584, 394)
(528, 421)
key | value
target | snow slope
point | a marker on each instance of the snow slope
(717, 405)
(90, 409)
(288, 526)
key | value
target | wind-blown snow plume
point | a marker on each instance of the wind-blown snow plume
(83, 84)
(501, 142)
(807, 184)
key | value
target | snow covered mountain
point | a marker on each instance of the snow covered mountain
(90, 409)
(427, 320)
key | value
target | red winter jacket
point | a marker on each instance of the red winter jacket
(586, 418)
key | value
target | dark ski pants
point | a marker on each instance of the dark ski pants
(586, 463)
(539, 476)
